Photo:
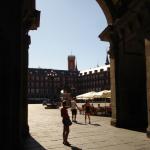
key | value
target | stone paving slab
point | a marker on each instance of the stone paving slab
(46, 131)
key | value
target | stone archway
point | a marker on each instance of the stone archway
(127, 21)
(105, 36)
(123, 83)
(126, 33)
(106, 11)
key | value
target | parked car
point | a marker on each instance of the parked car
(45, 101)
(52, 105)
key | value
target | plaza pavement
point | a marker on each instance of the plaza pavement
(46, 133)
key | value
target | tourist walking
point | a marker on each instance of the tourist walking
(87, 109)
(74, 109)
(66, 122)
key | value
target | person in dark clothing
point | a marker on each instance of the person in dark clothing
(87, 108)
(66, 122)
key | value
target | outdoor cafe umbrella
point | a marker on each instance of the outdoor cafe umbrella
(107, 94)
(103, 94)
(85, 96)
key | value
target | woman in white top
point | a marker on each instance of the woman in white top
(74, 109)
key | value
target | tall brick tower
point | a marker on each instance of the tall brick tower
(71, 63)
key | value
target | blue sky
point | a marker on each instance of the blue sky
(68, 26)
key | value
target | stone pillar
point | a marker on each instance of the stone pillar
(113, 83)
(10, 84)
(110, 36)
(113, 90)
(147, 54)
(24, 72)
(113, 48)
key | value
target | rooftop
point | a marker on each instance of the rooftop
(92, 70)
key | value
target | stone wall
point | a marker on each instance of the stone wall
(147, 54)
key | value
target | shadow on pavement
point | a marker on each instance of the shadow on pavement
(75, 148)
(80, 123)
(31, 144)
(95, 124)
(143, 130)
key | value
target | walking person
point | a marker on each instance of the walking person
(74, 109)
(66, 122)
(87, 109)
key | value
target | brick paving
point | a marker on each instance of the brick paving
(46, 131)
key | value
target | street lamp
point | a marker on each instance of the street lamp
(51, 75)
(73, 91)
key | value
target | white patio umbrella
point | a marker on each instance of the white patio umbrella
(103, 94)
(85, 96)
(107, 94)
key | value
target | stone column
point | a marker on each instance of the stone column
(113, 86)
(147, 54)
(113, 91)
(110, 36)
(113, 48)
(26, 42)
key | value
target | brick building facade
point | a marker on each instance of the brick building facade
(95, 79)
(48, 83)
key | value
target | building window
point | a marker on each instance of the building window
(32, 91)
(37, 84)
(41, 84)
(37, 91)
(42, 78)
(37, 77)
(32, 84)
(28, 90)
